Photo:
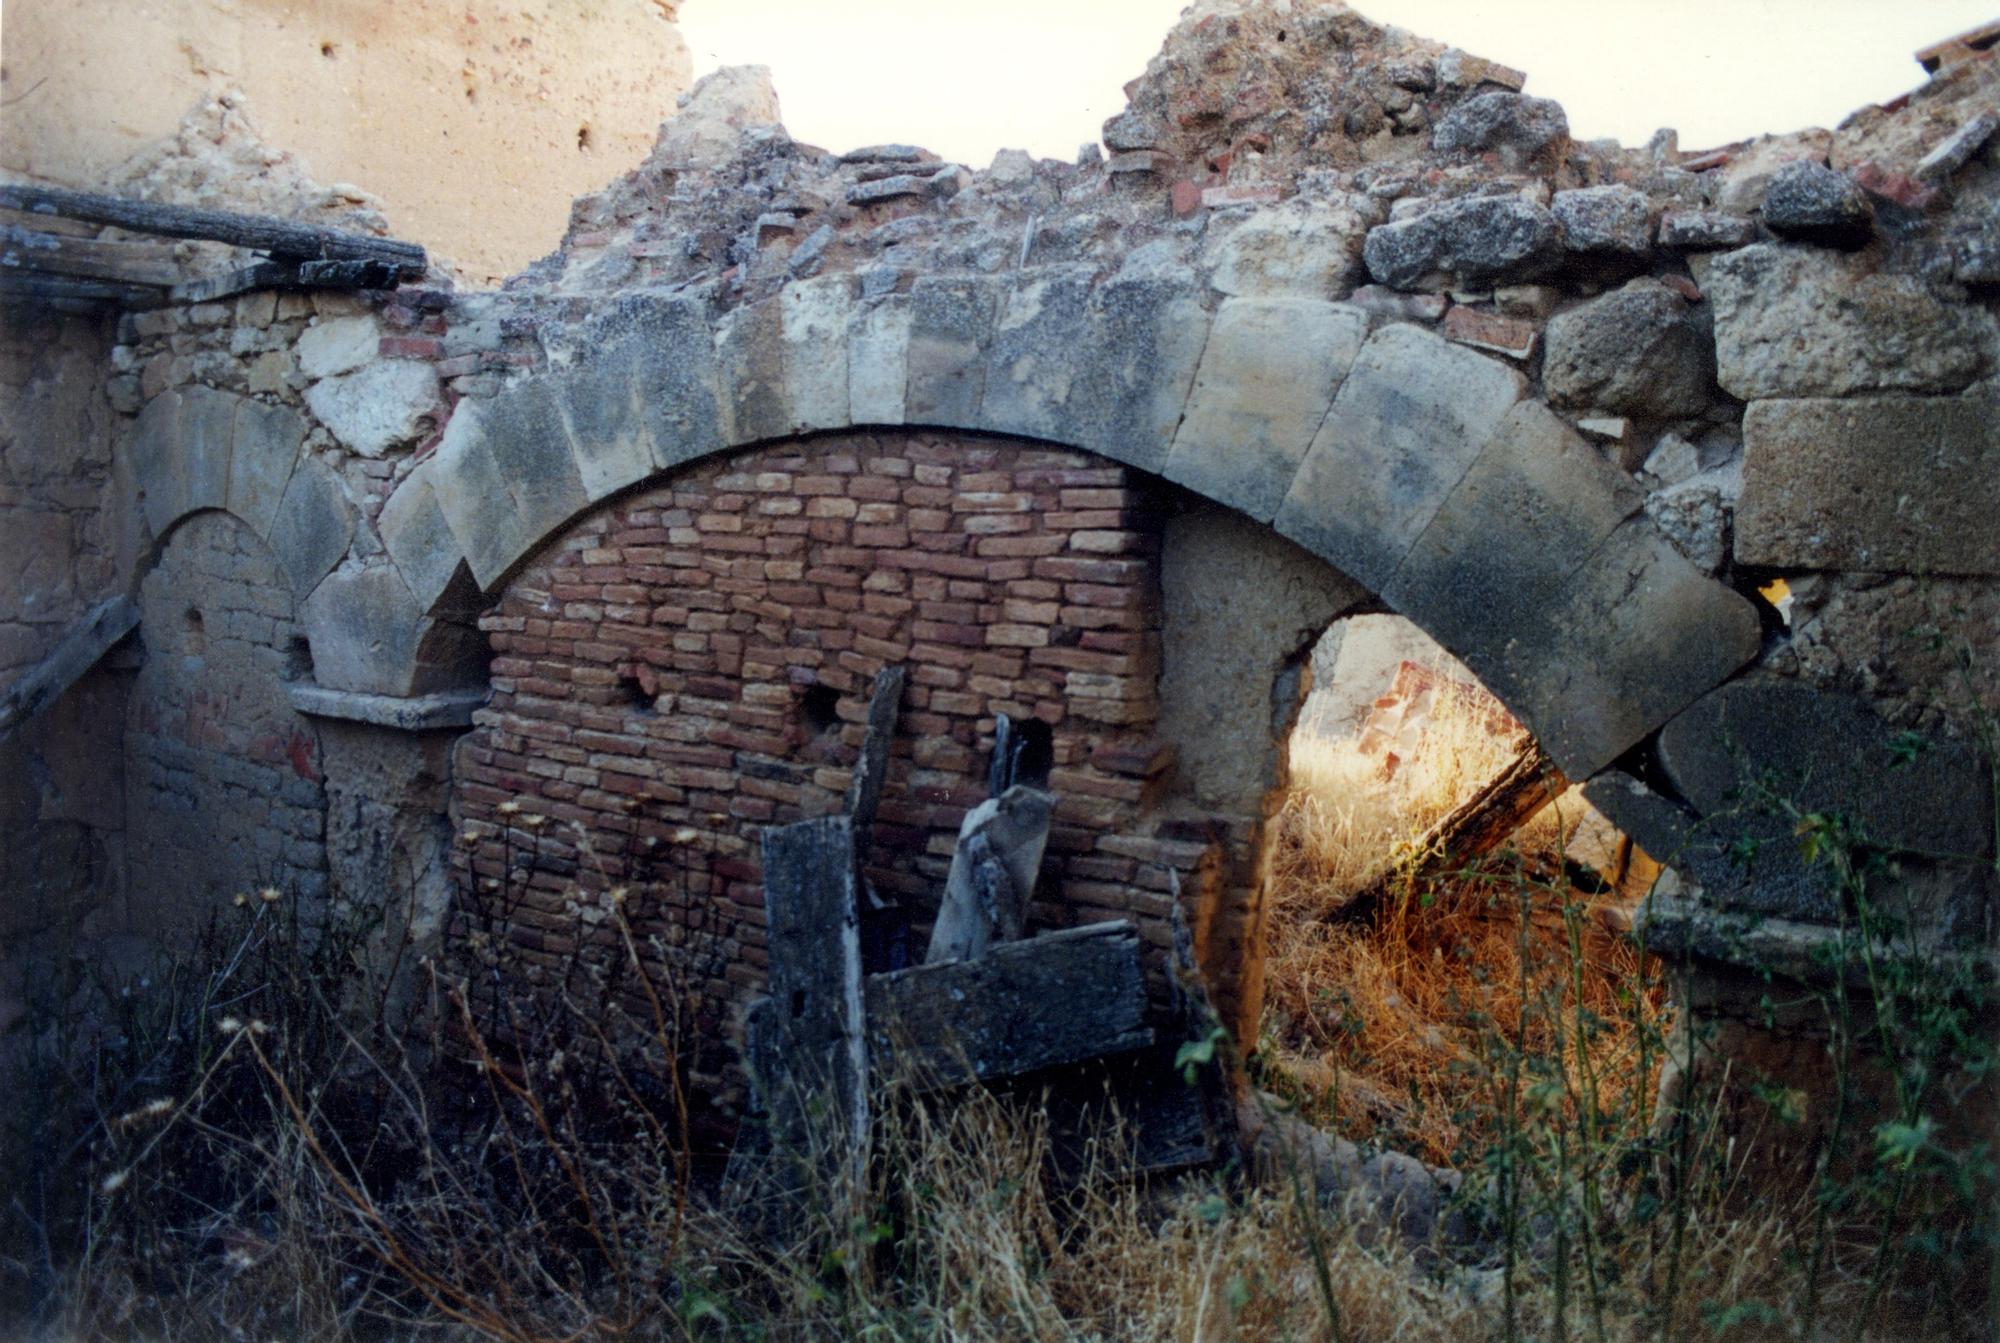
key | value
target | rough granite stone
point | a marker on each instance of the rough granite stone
(1412, 415)
(1804, 321)
(1634, 351)
(1813, 203)
(1907, 484)
(1266, 378)
(1614, 221)
(1480, 240)
(1520, 130)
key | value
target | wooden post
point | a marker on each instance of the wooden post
(87, 641)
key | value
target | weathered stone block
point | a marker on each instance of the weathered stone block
(1410, 418)
(1288, 252)
(1635, 636)
(814, 316)
(154, 446)
(503, 486)
(1803, 321)
(750, 371)
(363, 624)
(1483, 240)
(1634, 351)
(1896, 483)
(418, 538)
(379, 406)
(1266, 379)
(1534, 505)
(951, 320)
(336, 345)
(207, 440)
(1705, 230)
(878, 360)
(1106, 368)
(266, 446)
(660, 349)
(313, 527)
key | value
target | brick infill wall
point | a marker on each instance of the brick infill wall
(692, 663)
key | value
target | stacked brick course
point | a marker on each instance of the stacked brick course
(693, 663)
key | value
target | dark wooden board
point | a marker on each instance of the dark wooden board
(1022, 1006)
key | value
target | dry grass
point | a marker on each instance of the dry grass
(1382, 1024)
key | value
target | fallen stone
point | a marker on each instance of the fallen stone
(1741, 181)
(889, 154)
(1696, 514)
(1815, 204)
(1483, 239)
(1462, 70)
(1801, 321)
(378, 407)
(1705, 230)
(1490, 331)
(1605, 428)
(1520, 130)
(1907, 484)
(1957, 149)
(888, 188)
(1612, 221)
(1673, 460)
(1634, 351)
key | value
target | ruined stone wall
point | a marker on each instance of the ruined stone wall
(223, 779)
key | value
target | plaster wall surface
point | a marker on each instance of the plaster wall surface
(474, 124)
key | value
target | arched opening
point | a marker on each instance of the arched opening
(1423, 923)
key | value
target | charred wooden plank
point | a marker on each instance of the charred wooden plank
(871, 771)
(261, 233)
(76, 289)
(1059, 998)
(808, 1057)
(286, 275)
(1474, 828)
(143, 263)
(80, 650)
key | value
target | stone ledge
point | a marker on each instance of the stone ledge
(413, 713)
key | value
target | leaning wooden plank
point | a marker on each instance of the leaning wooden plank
(1474, 828)
(808, 1049)
(148, 263)
(1054, 999)
(108, 622)
(871, 771)
(262, 233)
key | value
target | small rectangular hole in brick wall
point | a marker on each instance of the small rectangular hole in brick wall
(1391, 960)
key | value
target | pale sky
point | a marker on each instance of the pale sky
(967, 77)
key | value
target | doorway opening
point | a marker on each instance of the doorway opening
(1444, 907)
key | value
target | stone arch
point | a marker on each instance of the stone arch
(223, 776)
(197, 448)
(1423, 470)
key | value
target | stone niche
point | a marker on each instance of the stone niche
(692, 663)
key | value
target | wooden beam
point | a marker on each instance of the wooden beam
(1474, 828)
(806, 1053)
(147, 263)
(80, 650)
(1052, 1000)
(260, 233)
(74, 289)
